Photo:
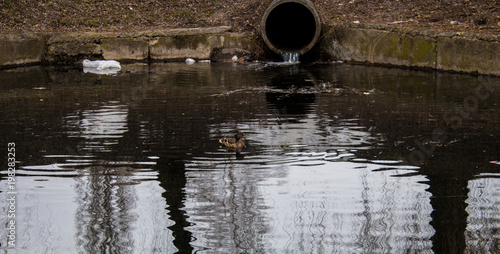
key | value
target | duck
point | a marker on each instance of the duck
(234, 143)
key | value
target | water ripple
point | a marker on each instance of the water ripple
(484, 216)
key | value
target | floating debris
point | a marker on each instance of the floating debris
(105, 67)
(229, 92)
(101, 64)
(323, 87)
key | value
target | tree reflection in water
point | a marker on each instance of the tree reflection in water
(324, 170)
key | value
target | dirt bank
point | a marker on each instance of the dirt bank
(473, 16)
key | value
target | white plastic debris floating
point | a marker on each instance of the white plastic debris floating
(101, 66)
(190, 61)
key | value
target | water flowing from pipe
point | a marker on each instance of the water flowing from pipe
(290, 57)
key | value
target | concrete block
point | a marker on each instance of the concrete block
(21, 49)
(468, 55)
(67, 52)
(124, 49)
(66, 48)
(239, 40)
(197, 46)
(383, 47)
(73, 49)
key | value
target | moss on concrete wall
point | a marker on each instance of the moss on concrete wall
(374, 45)
(23, 49)
(181, 46)
(67, 48)
(468, 55)
(413, 48)
(383, 47)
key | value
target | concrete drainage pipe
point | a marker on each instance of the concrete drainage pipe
(290, 26)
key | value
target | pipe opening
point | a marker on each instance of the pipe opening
(290, 26)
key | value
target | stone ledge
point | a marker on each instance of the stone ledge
(167, 45)
(373, 44)
(382, 46)
(24, 49)
(125, 48)
(468, 55)
(386, 45)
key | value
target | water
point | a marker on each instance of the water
(291, 57)
(340, 159)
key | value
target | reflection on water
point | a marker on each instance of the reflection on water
(131, 163)
(344, 207)
(482, 233)
(99, 128)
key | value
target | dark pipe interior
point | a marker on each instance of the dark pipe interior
(290, 26)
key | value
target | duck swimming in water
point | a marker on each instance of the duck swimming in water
(234, 143)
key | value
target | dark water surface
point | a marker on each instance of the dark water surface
(340, 159)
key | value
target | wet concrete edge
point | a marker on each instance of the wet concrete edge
(70, 48)
(397, 46)
(368, 44)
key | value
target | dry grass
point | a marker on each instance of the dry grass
(243, 15)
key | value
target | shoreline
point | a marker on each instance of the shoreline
(375, 44)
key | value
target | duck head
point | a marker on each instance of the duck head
(239, 136)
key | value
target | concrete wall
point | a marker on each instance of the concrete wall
(384, 45)
(468, 54)
(380, 45)
(23, 49)
(66, 48)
